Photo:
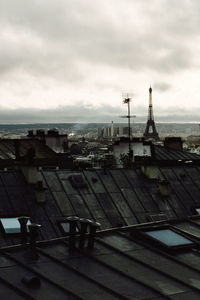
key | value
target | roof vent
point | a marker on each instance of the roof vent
(78, 181)
(93, 228)
(84, 225)
(33, 228)
(164, 187)
(151, 172)
(72, 230)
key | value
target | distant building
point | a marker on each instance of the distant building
(111, 131)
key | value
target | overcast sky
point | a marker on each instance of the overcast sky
(71, 60)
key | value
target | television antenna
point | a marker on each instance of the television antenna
(127, 97)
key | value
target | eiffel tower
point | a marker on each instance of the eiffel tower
(150, 131)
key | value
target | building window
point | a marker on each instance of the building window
(11, 225)
(169, 238)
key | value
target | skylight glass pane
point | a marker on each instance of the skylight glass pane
(169, 237)
(11, 225)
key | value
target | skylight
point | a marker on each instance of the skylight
(78, 181)
(169, 237)
(11, 225)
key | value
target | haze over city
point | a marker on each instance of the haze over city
(70, 61)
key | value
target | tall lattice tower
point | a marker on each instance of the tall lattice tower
(150, 131)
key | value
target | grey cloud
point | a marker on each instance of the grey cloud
(161, 86)
(74, 31)
(84, 113)
(76, 113)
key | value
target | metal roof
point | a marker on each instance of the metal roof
(114, 198)
(169, 154)
(7, 148)
(119, 267)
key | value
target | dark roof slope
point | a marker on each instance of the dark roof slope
(168, 154)
(115, 198)
(119, 267)
(7, 148)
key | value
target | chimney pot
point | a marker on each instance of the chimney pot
(84, 224)
(72, 220)
(93, 228)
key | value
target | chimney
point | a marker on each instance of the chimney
(72, 230)
(93, 228)
(84, 224)
(173, 143)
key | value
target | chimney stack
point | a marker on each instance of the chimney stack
(72, 230)
(93, 228)
(84, 224)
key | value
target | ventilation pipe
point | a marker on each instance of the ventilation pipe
(23, 220)
(33, 228)
(72, 230)
(84, 224)
(93, 228)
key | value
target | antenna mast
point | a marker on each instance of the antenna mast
(127, 99)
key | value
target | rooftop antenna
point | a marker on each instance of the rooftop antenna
(127, 100)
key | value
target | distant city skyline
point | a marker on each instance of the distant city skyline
(70, 61)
